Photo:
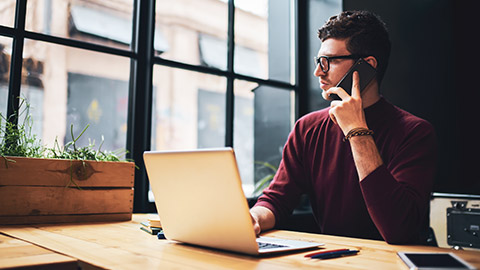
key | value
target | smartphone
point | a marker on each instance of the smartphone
(366, 72)
(433, 261)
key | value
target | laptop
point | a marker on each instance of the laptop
(200, 201)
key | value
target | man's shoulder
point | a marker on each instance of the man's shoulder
(412, 122)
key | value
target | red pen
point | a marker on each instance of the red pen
(325, 251)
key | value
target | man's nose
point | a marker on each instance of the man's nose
(318, 71)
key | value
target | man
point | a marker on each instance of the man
(366, 165)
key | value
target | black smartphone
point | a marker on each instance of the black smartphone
(366, 72)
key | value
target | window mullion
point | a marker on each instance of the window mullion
(301, 70)
(140, 96)
(15, 80)
(230, 78)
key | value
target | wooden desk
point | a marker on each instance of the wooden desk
(122, 245)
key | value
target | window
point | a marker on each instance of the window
(189, 109)
(98, 22)
(184, 21)
(223, 73)
(5, 54)
(71, 93)
(263, 118)
(7, 13)
(218, 104)
(6, 19)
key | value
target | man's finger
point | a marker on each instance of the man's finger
(335, 103)
(256, 226)
(338, 91)
(332, 115)
(257, 229)
(356, 85)
(326, 96)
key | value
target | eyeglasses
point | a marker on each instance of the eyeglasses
(324, 61)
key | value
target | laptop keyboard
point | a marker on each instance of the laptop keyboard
(269, 245)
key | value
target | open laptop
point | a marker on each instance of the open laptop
(200, 201)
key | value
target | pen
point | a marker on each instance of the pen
(324, 252)
(334, 254)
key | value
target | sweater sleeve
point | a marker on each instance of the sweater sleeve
(397, 194)
(283, 193)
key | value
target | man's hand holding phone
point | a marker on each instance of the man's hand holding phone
(366, 71)
(346, 109)
(348, 112)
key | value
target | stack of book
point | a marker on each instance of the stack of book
(152, 226)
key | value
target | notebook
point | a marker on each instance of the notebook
(200, 201)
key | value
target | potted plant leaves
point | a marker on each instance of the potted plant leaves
(60, 184)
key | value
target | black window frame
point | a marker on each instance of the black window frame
(142, 57)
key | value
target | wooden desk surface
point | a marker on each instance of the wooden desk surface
(122, 245)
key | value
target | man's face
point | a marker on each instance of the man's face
(338, 67)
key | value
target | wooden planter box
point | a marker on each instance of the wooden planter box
(45, 191)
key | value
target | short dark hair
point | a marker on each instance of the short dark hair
(366, 34)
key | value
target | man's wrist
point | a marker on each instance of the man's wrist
(359, 131)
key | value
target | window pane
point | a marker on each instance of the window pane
(263, 39)
(103, 22)
(7, 12)
(67, 86)
(263, 119)
(188, 109)
(252, 37)
(5, 56)
(243, 132)
(192, 31)
(318, 13)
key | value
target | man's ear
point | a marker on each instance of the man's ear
(371, 60)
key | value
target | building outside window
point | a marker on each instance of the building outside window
(5, 47)
(72, 86)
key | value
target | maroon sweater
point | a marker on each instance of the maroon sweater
(392, 203)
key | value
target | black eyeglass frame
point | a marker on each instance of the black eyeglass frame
(318, 60)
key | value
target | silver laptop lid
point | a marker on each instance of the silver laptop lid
(199, 198)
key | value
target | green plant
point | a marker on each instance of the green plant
(17, 139)
(261, 184)
(16, 136)
(72, 151)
